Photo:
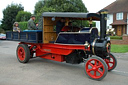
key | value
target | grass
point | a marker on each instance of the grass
(119, 48)
(116, 37)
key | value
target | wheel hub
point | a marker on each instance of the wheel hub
(94, 68)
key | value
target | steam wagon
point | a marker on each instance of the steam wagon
(80, 44)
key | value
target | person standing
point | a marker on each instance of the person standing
(59, 25)
(31, 24)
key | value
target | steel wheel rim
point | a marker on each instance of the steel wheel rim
(110, 62)
(21, 53)
(97, 67)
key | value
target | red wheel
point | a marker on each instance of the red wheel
(23, 53)
(111, 62)
(96, 68)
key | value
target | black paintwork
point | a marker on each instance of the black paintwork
(30, 36)
(77, 37)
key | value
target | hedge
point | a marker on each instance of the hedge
(2, 30)
(116, 37)
(23, 25)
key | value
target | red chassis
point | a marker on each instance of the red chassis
(60, 53)
(54, 52)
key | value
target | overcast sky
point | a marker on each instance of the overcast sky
(92, 5)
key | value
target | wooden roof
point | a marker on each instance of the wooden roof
(118, 6)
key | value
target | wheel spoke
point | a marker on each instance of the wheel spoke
(107, 60)
(108, 66)
(95, 62)
(91, 64)
(111, 62)
(100, 72)
(95, 73)
(99, 66)
(89, 70)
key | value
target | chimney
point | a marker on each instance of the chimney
(103, 23)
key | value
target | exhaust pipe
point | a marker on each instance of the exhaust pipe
(103, 23)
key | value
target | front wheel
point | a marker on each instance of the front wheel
(23, 53)
(111, 62)
(96, 68)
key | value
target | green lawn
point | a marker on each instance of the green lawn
(119, 48)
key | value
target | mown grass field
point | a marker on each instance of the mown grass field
(119, 48)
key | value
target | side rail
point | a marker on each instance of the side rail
(30, 37)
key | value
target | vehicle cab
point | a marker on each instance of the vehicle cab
(76, 35)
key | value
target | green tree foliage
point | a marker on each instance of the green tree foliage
(1, 30)
(59, 6)
(38, 6)
(9, 15)
(44, 9)
(0, 26)
(67, 5)
(23, 16)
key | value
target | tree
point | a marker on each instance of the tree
(23, 16)
(44, 9)
(9, 15)
(59, 6)
(67, 5)
(0, 26)
(38, 6)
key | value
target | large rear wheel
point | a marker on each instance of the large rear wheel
(23, 53)
(96, 68)
(111, 62)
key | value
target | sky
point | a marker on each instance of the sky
(92, 5)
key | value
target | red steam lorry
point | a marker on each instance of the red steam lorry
(79, 45)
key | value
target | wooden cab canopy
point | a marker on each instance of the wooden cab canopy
(50, 19)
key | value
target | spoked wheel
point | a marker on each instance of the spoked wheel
(111, 62)
(23, 53)
(95, 68)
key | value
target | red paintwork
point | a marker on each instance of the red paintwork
(65, 29)
(54, 57)
(58, 50)
(92, 72)
(21, 53)
(110, 62)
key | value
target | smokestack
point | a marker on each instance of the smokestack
(103, 22)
